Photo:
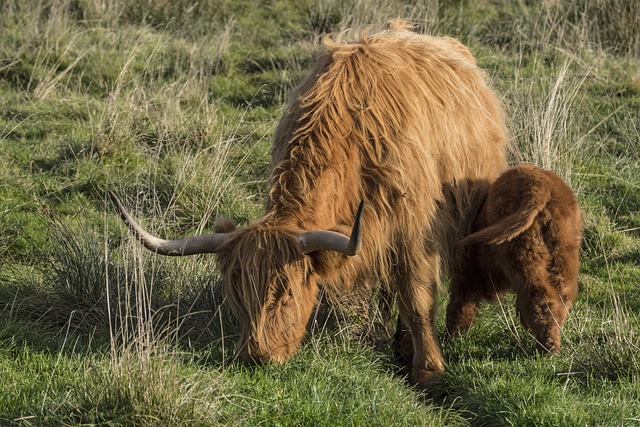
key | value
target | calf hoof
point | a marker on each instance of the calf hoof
(460, 317)
(455, 329)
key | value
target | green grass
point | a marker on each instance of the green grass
(173, 105)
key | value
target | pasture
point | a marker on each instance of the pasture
(173, 105)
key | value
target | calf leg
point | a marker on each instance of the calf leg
(472, 284)
(464, 303)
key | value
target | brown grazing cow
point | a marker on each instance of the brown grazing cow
(526, 241)
(403, 120)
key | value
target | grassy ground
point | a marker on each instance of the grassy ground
(173, 105)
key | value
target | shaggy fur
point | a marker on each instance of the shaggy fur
(405, 121)
(526, 241)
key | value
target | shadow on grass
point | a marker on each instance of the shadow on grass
(82, 296)
(80, 289)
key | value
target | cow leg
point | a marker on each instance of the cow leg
(417, 289)
(403, 344)
(386, 301)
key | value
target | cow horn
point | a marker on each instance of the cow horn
(206, 243)
(326, 240)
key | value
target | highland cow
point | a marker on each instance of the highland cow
(403, 120)
(526, 241)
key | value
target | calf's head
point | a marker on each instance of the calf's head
(268, 278)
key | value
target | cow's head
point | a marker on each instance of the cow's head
(268, 277)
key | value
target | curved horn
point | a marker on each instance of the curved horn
(326, 240)
(206, 243)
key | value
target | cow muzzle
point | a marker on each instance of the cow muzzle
(259, 358)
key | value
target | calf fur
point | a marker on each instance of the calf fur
(525, 240)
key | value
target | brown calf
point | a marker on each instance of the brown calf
(526, 241)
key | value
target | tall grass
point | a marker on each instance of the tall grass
(544, 117)
(172, 105)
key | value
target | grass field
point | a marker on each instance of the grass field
(172, 104)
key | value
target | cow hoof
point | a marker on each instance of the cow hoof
(423, 378)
